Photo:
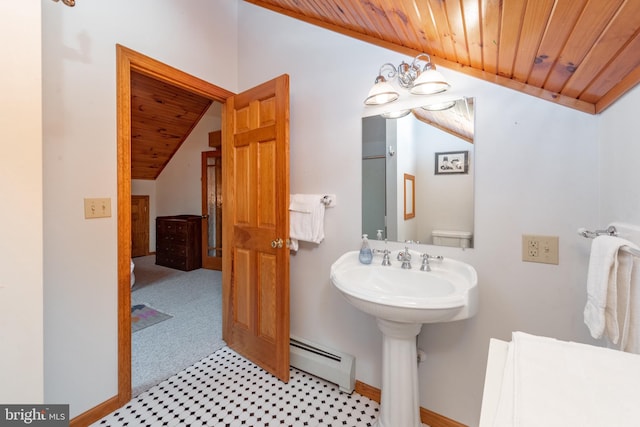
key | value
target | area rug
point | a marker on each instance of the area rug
(143, 316)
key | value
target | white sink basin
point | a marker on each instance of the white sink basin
(402, 300)
(448, 292)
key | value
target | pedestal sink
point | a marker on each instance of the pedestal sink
(402, 300)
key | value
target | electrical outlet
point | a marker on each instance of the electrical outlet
(97, 208)
(542, 249)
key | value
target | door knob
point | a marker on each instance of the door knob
(277, 243)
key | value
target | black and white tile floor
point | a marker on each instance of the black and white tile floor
(225, 389)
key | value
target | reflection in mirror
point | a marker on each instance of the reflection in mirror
(435, 147)
(409, 196)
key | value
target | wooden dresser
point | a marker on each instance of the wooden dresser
(179, 242)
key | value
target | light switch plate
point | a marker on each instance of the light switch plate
(542, 249)
(97, 208)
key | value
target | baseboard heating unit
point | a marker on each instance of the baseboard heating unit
(328, 364)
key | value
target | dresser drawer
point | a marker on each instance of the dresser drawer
(178, 242)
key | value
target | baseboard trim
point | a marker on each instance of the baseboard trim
(430, 418)
(97, 412)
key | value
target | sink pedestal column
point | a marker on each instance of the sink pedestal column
(399, 404)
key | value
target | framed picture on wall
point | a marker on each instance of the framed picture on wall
(452, 162)
(409, 196)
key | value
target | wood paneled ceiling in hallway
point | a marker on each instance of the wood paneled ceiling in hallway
(162, 117)
(582, 54)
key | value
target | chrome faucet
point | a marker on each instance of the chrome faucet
(385, 258)
(405, 257)
(385, 254)
(401, 254)
(425, 261)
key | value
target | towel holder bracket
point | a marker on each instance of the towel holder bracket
(328, 200)
(610, 231)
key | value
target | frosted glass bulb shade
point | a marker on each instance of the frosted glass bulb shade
(439, 106)
(429, 82)
(395, 114)
(381, 93)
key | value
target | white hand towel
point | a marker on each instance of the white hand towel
(306, 220)
(601, 310)
(617, 312)
(630, 340)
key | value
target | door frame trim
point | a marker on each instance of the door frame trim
(128, 60)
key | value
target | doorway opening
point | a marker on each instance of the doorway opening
(128, 62)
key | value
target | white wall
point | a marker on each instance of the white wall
(535, 173)
(406, 164)
(178, 185)
(79, 107)
(447, 201)
(619, 154)
(21, 293)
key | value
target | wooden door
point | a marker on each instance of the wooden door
(255, 271)
(212, 210)
(139, 226)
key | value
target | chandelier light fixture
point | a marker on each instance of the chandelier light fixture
(418, 81)
(69, 3)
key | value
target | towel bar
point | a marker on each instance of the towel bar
(328, 200)
(610, 231)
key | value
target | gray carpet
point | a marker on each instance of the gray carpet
(194, 299)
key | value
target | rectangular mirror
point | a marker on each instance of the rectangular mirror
(417, 176)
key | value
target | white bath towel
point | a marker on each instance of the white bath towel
(630, 340)
(306, 220)
(608, 282)
(552, 383)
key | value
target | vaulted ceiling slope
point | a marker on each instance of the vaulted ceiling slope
(162, 117)
(582, 54)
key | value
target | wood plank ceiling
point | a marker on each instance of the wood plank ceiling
(582, 54)
(457, 120)
(162, 116)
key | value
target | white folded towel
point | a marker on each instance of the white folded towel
(306, 220)
(552, 383)
(630, 340)
(608, 287)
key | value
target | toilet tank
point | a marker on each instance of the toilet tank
(459, 239)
